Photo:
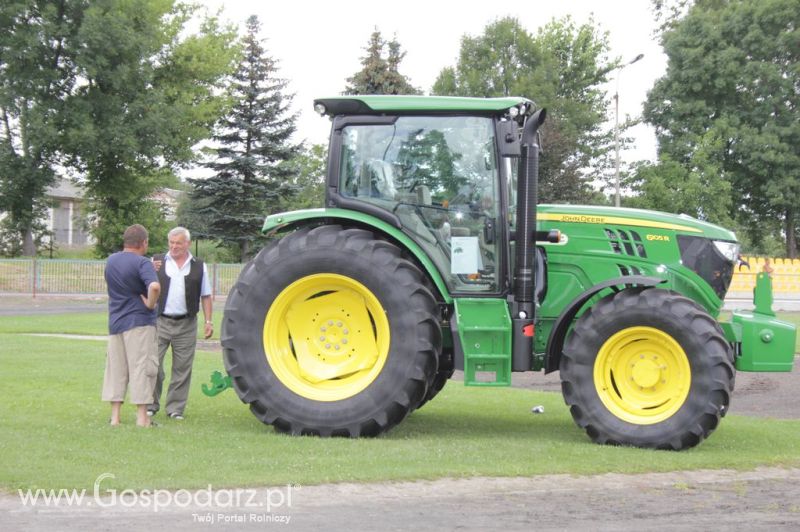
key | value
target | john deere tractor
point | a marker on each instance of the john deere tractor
(431, 255)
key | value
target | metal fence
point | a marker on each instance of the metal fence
(84, 277)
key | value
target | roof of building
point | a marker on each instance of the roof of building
(66, 189)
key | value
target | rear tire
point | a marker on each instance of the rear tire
(647, 368)
(330, 332)
(437, 385)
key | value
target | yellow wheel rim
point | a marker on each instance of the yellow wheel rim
(326, 337)
(642, 375)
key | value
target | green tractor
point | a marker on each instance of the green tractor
(431, 255)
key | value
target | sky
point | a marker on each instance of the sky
(319, 44)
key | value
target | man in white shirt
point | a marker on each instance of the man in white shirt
(185, 287)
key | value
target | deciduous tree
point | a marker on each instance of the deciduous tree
(148, 95)
(306, 173)
(562, 68)
(36, 74)
(733, 76)
(112, 92)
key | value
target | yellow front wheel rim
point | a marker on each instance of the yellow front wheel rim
(642, 375)
(326, 337)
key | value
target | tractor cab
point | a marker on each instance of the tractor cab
(441, 178)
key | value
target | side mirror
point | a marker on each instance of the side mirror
(508, 139)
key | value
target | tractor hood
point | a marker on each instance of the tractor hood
(589, 214)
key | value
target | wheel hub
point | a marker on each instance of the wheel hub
(333, 353)
(326, 337)
(642, 375)
(646, 372)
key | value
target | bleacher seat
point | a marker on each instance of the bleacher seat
(785, 275)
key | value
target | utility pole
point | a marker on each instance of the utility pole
(616, 128)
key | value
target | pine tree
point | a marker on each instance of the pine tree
(253, 139)
(380, 75)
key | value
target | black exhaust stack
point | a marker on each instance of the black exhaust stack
(524, 269)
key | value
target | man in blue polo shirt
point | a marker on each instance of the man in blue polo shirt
(132, 357)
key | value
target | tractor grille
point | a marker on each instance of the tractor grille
(626, 242)
(627, 269)
(700, 255)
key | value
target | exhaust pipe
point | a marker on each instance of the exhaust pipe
(527, 197)
(525, 265)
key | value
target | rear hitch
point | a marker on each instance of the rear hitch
(219, 384)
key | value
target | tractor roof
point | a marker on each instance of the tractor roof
(369, 105)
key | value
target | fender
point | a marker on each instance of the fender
(288, 220)
(558, 334)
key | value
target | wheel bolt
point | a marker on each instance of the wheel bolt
(323, 329)
(339, 324)
(344, 340)
(330, 322)
(345, 331)
(321, 338)
(336, 347)
(327, 346)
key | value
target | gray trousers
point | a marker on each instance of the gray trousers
(182, 336)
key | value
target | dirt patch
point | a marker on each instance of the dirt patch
(765, 499)
(772, 395)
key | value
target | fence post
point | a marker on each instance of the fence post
(215, 277)
(34, 273)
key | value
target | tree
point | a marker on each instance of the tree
(730, 101)
(562, 68)
(253, 139)
(668, 186)
(148, 95)
(306, 173)
(112, 92)
(35, 77)
(428, 160)
(380, 73)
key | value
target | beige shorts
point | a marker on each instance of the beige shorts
(132, 359)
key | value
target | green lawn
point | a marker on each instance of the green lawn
(85, 323)
(96, 323)
(55, 434)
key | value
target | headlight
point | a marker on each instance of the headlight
(729, 250)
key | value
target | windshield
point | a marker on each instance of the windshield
(439, 176)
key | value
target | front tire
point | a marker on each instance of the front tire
(648, 368)
(330, 332)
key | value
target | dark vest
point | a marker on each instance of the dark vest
(193, 285)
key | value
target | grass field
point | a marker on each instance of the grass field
(55, 432)
(96, 323)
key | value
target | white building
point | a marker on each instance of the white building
(65, 218)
